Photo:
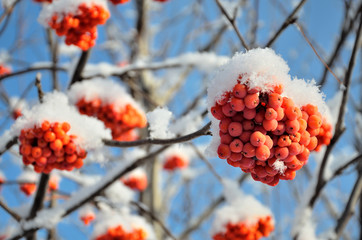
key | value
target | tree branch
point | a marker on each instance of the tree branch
(290, 20)
(11, 212)
(203, 131)
(80, 66)
(233, 24)
(32, 69)
(38, 86)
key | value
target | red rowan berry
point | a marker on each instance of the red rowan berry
(280, 129)
(260, 115)
(245, 136)
(284, 141)
(49, 136)
(249, 113)
(236, 146)
(224, 98)
(292, 126)
(294, 148)
(281, 152)
(251, 100)
(247, 163)
(239, 90)
(224, 124)
(36, 152)
(312, 144)
(262, 153)
(249, 150)
(216, 111)
(235, 157)
(248, 125)
(227, 110)
(275, 100)
(235, 129)
(314, 122)
(226, 138)
(270, 125)
(260, 171)
(223, 151)
(270, 114)
(237, 104)
(257, 139)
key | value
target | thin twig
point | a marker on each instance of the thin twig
(289, 20)
(203, 131)
(80, 66)
(300, 29)
(340, 170)
(232, 21)
(195, 223)
(9, 144)
(143, 208)
(11, 212)
(38, 200)
(38, 86)
(202, 157)
(32, 69)
(348, 211)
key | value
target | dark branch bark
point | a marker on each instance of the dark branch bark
(31, 69)
(80, 67)
(290, 20)
(11, 212)
(203, 131)
(38, 86)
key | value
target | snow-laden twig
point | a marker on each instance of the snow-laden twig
(203, 131)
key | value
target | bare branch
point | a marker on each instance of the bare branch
(290, 20)
(143, 208)
(32, 69)
(80, 66)
(300, 28)
(38, 86)
(203, 131)
(233, 23)
(11, 212)
(9, 144)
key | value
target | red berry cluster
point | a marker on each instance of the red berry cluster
(174, 162)
(4, 70)
(88, 218)
(80, 29)
(118, 233)
(242, 231)
(49, 146)
(16, 113)
(138, 182)
(120, 121)
(119, 1)
(28, 188)
(257, 129)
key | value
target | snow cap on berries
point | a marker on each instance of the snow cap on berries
(107, 90)
(239, 208)
(61, 8)
(56, 108)
(129, 222)
(159, 120)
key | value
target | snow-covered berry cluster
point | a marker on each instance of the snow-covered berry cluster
(262, 130)
(4, 70)
(49, 146)
(176, 157)
(242, 230)
(43, 1)
(119, 1)
(136, 179)
(110, 103)
(119, 232)
(76, 20)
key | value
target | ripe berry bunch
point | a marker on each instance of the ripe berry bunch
(49, 146)
(120, 233)
(88, 218)
(121, 120)
(119, 1)
(262, 228)
(266, 134)
(4, 70)
(137, 181)
(80, 29)
(175, 161)
(28, 188)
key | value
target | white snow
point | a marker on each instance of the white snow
(181, 150)
(56, 108)
(64, 7)
(239, 208)
(265, 69)
(119, 193)
(86, 210)
(138, 172)
(203, 61)
(2, 176)
(304, 225)
(279, 166)
(47, 218)
(7, 3)
(107, 90)
(28, 176)
(159, 120)
(16, 103)
(187, 124)
(68, 50)
(129, 222)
